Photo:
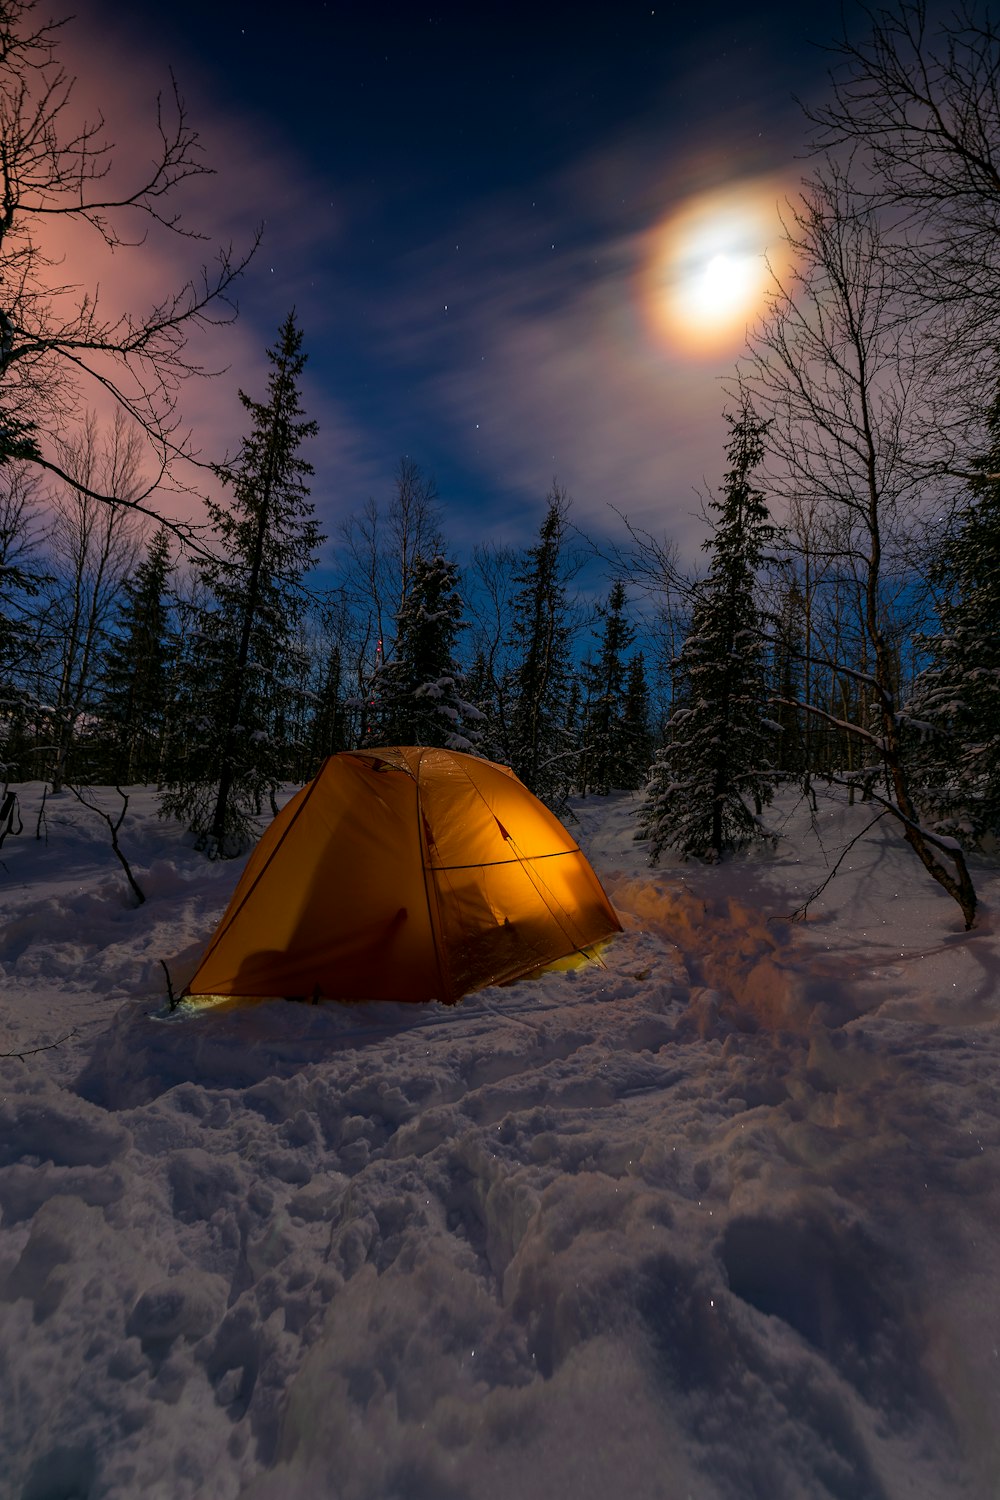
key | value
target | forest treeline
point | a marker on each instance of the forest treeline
(845, 624)
(220, 676)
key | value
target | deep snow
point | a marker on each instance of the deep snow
(717, 1219)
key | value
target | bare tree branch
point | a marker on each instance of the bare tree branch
(56, 339)
(803, 909)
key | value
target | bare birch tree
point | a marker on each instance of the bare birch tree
(61, 347)
(916, 100)
(93, 547)
(841, 375)
(378, 550)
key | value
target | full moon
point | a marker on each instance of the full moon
(724, 286)
(712, 263)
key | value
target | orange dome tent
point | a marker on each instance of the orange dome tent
(405, 874)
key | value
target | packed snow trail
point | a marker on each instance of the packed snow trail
(717, 1219)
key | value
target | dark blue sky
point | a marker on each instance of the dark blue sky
(460, 201)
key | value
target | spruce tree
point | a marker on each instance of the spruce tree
(236, 694)
(637, 736)
(541, 752)
(482, 690)
(134, 690)
(607, 748)
(709, 783)
(418, 695)
(328, 728)
(956, 701)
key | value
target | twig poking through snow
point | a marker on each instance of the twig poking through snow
(172, 1000)
(114, 824)
(801, 911)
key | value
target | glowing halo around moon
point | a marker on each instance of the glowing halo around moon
(711, 266)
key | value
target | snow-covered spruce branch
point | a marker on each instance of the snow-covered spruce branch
(947, 845)
(837, 667)
(820, 713)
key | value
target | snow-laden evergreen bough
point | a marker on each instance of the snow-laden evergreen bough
(417, 697)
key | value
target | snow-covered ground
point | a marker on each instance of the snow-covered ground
(718, 1219)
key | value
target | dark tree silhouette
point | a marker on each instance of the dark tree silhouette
(956, 702)
(236, 698)
(541, 752)
(712, 778)
(60, 347)
(135, 688)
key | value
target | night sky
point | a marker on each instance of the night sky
(471, 208)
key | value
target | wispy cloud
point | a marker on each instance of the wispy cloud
(544, 360)
(516, 342)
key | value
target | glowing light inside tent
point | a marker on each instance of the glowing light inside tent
(712, 265)
(404, 873)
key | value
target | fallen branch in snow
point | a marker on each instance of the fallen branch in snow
(802, 911)
(47, 1047)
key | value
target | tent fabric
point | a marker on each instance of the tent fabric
(405, 873)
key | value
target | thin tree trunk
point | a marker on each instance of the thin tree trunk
(217, 832)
